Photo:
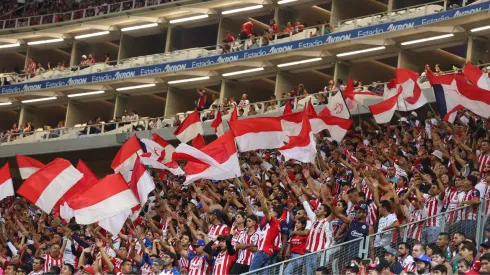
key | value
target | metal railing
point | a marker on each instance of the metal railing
(186, 54)
(145, 123)
(100, 9)
(337, 257)
(393, 15)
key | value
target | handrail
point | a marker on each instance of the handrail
(387, 13)
(77, 14)
(162, 58)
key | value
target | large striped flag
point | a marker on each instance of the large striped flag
(27, 166)
(301, 147)
(476, 76)
(47, 185)
(190, 128)
(124, 161)
(383, 111)
(258, 133)
(6, 184)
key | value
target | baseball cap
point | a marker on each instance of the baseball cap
(194, 201)
(217, 213)
(361, 206)
(486, 244)
(392, 251)
(414, 114)
(84, 56)
(423, 258)
(437, 154)
(200, 243)
(352, 267)
(403, 119)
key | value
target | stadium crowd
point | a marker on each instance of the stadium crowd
(377, 180)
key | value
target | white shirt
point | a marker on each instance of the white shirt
(385, 238)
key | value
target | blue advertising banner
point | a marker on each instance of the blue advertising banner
(245, 54)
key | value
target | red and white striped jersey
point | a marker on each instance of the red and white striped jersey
(470, 211)
(223, 262)
(245, 256)
(369, 194)
(433, 205)
(453, 201)
(406, 262)
(415, 216)
(483, 160)
(199, 266)
(486, 197)
(268, 232)
(372, 215)
(183, 264)
(236, 234)
(216, 230)
(146, 269)
(320, 236)
(36, 273)
(167, 272)
(50, 261)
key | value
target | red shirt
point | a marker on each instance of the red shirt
(247, 27)
(223, 263)
(230, 39)
(201, 102)
(289, 29)
(298, 244)
(268, 231)
(273, 28)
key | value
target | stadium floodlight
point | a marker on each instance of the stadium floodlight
(180, 20)
(151, 25)
(5, 46)
(87, 93)
(299, 62)
(136, 87)
(256, 7)
(5, 103)
(38, 99)
(285, 1)
(361, 51)
(91, 35)
(189, 80)
(480, 29)
(45, 41)
(427, 39)
(244, 71)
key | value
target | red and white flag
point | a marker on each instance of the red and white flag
(217, 124)
(217, 161)
(336, 105)
(234, 114)
(190, 128)
(453, 90)
(383, 111)
(27, 166)
(352, 98)
(46, 186)
(198, 142)
(411, 97)
(6, 184)
(310, 109)
(104, 199)
(301, 147)
(168, 149)
(476, 76)
(451, 115)
(126, 157)
(258, 133)
(287, 108)
(338, 127)
(141, 184)
(89, 178)
(157, 151)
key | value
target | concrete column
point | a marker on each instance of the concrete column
(406, 60)
(229, 88)
(341, 71)
(174, 39)
(477, 50)
(167, 41)
(227, 25)
(26, 115)
(74, 54)
(391, 5)
(120, 105)
(76, 114)
(284, 83)
(335, 16)
(175, 102)
(28, 55)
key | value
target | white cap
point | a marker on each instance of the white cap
(84, 56)
(438, 154)
(194, 201)
(403, 119)
(414, 114)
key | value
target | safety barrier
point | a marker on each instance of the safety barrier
(339, 256)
